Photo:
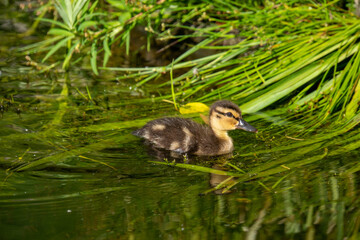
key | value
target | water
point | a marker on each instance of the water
(99, 183)
(70, 169)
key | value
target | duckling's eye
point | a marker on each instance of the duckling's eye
(229, 114)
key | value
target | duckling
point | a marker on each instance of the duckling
(186, 136)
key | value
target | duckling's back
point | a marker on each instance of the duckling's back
(180, 135)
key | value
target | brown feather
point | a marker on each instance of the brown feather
(186, 136)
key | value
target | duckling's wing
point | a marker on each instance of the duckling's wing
(174, 134)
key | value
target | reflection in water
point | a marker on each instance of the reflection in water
(168, 206)
(80, 200)
(218, 182)
(311, 203)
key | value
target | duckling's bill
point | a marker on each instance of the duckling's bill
(242, 124)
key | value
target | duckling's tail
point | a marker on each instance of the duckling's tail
(138, 132)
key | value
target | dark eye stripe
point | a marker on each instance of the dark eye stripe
(228, 114)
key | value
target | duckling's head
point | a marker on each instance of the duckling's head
(226, 115)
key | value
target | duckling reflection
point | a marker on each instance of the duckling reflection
(216, 162)
(217, 179)
(176, 157)
(186, 136)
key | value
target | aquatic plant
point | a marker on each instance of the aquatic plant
(299, 56)
(85, 30)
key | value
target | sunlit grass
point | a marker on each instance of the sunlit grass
(295, 57)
